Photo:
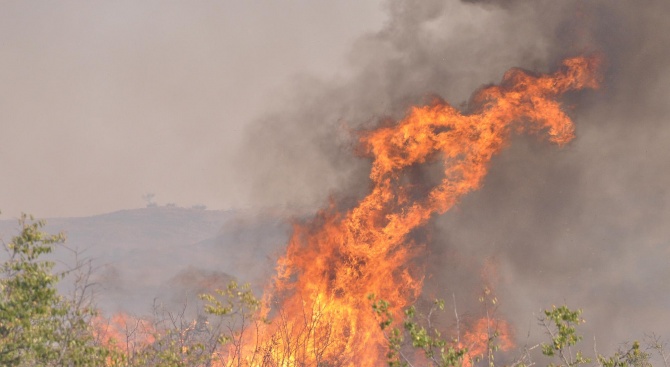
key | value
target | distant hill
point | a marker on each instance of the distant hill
(166, 253)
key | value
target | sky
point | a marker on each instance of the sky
(103, 102)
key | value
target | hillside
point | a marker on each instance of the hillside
(167, 254)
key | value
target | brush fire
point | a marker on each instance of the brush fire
(317, 308)
(317, 305)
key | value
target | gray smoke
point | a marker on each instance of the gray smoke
(584, 225)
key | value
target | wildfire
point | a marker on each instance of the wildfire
(481, 337)
(318, 299)
(123, 333)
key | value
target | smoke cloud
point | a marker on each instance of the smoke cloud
(584, 225)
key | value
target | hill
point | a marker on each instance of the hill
(167, 254)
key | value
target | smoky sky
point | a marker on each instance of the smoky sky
(585, 224)
(103, 102)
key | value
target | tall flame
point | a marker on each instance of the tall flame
(320, 311)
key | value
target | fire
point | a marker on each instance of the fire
(482, 336)
(123, 333)
(319, 308)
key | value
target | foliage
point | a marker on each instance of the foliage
(235, 309)
(429, 340)
(633, 357)
(560, 322)
(564, 335)
(37, 325)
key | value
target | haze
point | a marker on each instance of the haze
(103, 102)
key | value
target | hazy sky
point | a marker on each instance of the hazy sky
(102, 102)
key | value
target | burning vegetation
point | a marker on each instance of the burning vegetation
(317, 310)
(317, 305)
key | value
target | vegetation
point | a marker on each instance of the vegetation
(40, 327)
(437, 351)
(560, 324)
(37, 325)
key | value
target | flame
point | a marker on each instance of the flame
(482, 336)
(319, 294)
(123, 333)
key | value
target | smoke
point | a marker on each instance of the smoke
(583, 225)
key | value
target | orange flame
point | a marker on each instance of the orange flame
(334, 261)
(123, 333)
(482, 336)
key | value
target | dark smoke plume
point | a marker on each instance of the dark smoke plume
(585, 225)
